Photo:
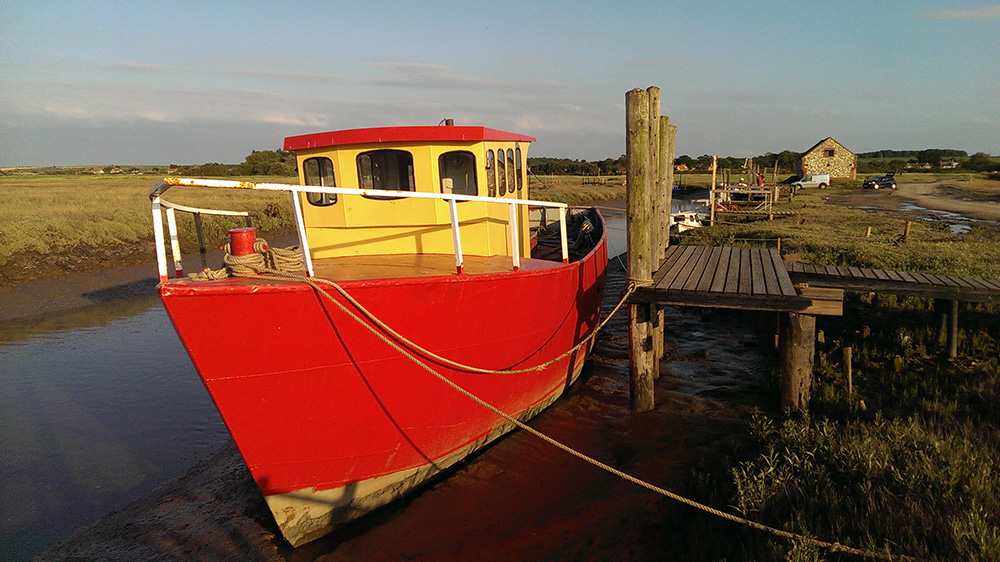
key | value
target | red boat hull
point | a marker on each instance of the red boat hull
(332, 421)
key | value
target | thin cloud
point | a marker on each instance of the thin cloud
(982, 13)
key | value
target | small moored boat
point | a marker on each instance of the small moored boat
(685, 220)
(422, 266)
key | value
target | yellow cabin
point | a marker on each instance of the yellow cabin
(471, 161)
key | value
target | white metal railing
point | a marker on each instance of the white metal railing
(158, 204)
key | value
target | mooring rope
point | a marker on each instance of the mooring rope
(278, 274)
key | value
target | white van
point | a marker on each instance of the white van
(812, 180)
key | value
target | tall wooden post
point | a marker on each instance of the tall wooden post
(656, 210)
(711, 192)
(664, 191)
(638, 233)
(798, 345)
(664, 183)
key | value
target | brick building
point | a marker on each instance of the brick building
(829, 157)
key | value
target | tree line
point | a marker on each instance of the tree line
(257, 163)
(282, 163)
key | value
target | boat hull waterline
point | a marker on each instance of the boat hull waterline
(332, 421)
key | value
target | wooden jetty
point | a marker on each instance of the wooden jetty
(735, 278)
(738, 278)
(747, 279)
(946, 290)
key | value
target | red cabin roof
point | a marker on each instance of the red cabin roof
(440, 133)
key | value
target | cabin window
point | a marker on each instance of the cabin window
(491, 181)
(501, 174)
(319, 171)
(458, 172)
(828, 153)
(510, 171)
(520, 170)
(387, 169)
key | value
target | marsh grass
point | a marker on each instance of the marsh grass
(71, 222)
(907, 462)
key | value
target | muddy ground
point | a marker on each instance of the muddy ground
(937, 196)
(521, 499)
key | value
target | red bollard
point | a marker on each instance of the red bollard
(242, 240)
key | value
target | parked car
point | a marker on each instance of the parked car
(888, 180)
(811, 180)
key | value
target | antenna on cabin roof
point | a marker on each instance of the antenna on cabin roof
(447, 122)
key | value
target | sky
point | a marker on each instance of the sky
(102, 83)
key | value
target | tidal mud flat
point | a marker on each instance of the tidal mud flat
(520, 498)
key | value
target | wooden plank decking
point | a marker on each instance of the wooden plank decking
(738, 278)
(899, 282)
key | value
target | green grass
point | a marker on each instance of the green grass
(50, 224)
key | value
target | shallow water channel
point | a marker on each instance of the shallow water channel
(101, 405)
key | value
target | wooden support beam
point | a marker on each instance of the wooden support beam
(798, 345)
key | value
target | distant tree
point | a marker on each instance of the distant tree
(280, 169)
(260, 162)
(208, 169)
(980, 162)
(931, 156)
(685, 160)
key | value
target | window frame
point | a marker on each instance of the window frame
(491, 180)
(398, 165)
(469, 167)
(319, 199)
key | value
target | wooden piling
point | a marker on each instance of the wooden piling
(906, 231)
(953, 330)
(658, 239)
(849, 369)
(941, 319)
(711, 192)
(798, 346)
(638, 204)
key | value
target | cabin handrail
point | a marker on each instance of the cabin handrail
(158, 204)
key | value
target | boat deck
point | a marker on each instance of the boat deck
(398, 266)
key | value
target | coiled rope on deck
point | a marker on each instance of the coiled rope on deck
(263, 258)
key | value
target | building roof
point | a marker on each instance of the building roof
(817, 145)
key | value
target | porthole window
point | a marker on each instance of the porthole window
(319, 171)
(458, 172)
(510, 171)
(491, 181)
(501, 174)
(520, 170)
